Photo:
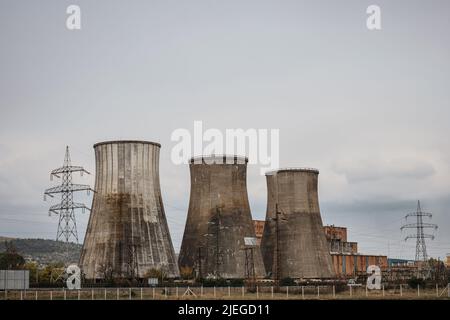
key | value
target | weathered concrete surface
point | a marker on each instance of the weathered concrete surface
(127, 233)
(218, 219)
(303, 250)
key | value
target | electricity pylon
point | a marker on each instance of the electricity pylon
(67, 226)
(421, 249)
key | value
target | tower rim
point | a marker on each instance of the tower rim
(126, 141)
(214, 157)
(292, 169)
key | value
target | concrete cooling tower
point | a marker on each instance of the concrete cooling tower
(127, 233)
(218, 220)
(293, 240)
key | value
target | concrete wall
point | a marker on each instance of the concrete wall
(303, 248)
(218, 198)
(127, 232)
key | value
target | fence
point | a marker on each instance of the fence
(263, 292)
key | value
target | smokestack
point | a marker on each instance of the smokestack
(294, 246)
(127, 233)
(219, 219)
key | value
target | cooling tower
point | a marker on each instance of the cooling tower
(302, 250)
(127, 233)
(219, 219)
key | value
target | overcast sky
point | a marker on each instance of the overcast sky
(369, 109)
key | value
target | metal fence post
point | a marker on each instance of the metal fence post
(437, 290)
(177, 291)
(117, 294)
(318, 291)
(36, 295)
(287, 291)
(401, 291)
(78, 294)
(243, 291)
(165, 292)
(65, 296)
(229, 291)
(257, 292)
(92, 294)
(303, 292)
(141, 293)
(201, 291)
(214, 291)
(383, 290)
(366, 292)
(21, 295)
(334, 291)
(271, 289)
(129, 293)
(105, 295)
(51, 295)
(351, 293)
(153, 293)
(418, 290)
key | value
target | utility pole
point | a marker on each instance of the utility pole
(419, 226)
(67, 227)
(277, 255)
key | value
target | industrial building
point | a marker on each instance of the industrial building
(293, 242)
(347, 262)
(337, 240)
(127, 233)
(219, 221)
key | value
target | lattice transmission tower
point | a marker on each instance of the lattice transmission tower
(67, 226)
(420, 236)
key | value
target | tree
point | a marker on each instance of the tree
(160, 274)
(186, 273)
(52, 273)
(10, 259)
(107, 272)
(33, 268)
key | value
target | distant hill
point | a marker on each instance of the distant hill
(43, 251)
